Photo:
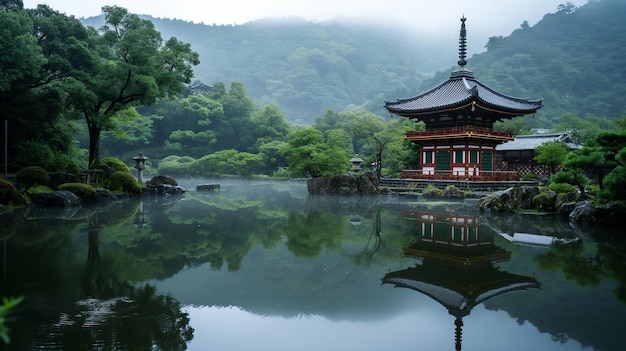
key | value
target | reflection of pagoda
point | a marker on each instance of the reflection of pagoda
(456, 269)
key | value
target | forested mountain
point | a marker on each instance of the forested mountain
(308, 67)
(573, 59)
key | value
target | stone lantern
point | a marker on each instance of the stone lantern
(140, 165)
(356, 163)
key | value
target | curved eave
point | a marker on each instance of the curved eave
(462, 94)
(469, 106)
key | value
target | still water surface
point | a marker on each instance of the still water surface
(264, 266)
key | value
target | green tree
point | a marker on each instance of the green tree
(517, 126)
(375, 134)
(135, 69)
(552, 154)
(583, 130)
(590, 160)
(599, 157)
(270, 125)
(308, 154)
(21, 57)
(273, 159)
(39, 49)
(615, 182)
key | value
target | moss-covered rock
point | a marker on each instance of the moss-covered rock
(432, 191)
(164, 185)
(544, 201)
(59, 198)
(85, 192)
(513, 199)
(344, 184)
(586, 212)
(452, 191)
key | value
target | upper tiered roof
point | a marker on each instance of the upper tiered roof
(462, 96)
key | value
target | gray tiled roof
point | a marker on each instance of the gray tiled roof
(459, 92)
(530, 142)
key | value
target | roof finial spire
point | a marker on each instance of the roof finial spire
(462, 43)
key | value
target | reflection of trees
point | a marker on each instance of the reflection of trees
(309, 232)
(10, 220)
(614, 265)
(571, 258)
(120, 316)
(374, 242)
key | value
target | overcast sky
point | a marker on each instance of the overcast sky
(486, 18)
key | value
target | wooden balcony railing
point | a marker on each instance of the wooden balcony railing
(486, 176)
(464, 131)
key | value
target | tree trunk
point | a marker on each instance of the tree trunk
(94, 143)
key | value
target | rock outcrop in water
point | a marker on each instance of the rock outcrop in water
(540, 200)
(345, 184)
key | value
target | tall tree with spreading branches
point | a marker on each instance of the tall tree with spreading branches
(135, 68)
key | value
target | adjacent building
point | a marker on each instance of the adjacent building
(518, 155)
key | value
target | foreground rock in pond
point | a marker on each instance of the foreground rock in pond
(164, 185)
(59, 198)
(513, 199)
(586, 212)
(345, 184)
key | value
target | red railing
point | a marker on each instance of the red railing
(487, 176)
(459, 131)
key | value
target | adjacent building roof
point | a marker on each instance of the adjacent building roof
(530, 142)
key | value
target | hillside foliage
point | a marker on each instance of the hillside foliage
(572, 58)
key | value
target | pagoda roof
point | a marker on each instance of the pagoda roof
(459, 289)
(463, 94)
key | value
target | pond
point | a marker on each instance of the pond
(261, 265)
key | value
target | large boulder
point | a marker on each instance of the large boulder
(586, 212)
(521, 198)
(164, 185)
(345, 184)
(59, 198)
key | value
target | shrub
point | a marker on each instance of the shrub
(561, 188)
(10, 195)
(33, 153)
(30, 176)
(109, 165)
(570, 177)
(529, 177)
(432, 191)
(84, 191)
(175, 165)
(63, 164)
(615, 185)
(281, 173)
(125, 182)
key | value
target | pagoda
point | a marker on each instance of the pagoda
(459, 142)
